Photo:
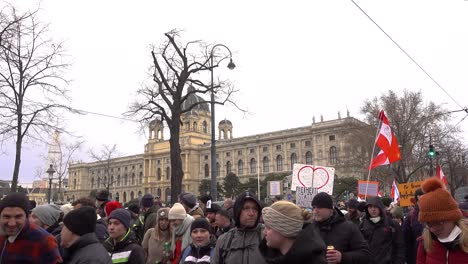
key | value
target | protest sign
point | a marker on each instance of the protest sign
(407, 191)
(304, 196)
(317, 177)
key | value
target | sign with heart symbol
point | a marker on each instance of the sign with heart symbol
(318, 177)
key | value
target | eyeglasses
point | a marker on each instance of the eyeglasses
(433, 224)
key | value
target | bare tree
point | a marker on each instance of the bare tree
(31, 82)
(105, 156)
(180, 70)
(415, 124)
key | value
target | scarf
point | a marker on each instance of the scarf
(182, 231)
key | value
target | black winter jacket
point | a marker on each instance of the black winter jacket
(385, 238)
(307, 248)
(127, 250)
(86, 250)
(345, 237)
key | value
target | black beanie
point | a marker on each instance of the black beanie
(102, 195)
(122, 215)
(213, 209)
(322, 200)
(81, 221)
(201, 223)
(16, 199)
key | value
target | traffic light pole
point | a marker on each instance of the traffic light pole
(431, 149)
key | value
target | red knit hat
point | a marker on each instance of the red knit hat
(437, 204)
(111, 206)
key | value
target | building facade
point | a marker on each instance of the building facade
(324, 143)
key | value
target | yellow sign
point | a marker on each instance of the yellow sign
(407, 191)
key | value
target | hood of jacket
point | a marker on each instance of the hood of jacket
(239, 203)
(377, 202)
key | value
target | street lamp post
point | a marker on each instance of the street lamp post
(214, 169)
(51, 172)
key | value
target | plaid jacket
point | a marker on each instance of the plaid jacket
(32, 245)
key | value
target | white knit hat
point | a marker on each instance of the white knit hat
(284, 217)
(177, 212)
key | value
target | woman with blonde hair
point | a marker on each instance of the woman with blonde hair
(156, 237)
(445, 235)
(288, 238)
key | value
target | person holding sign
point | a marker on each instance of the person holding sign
(287, 239)
(345, 241)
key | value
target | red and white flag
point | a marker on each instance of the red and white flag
(395, 193)
(387, 142)
(440, 174)
(379, 194)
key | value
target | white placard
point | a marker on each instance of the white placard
(304, 196)
(275, 188)
(318, 177)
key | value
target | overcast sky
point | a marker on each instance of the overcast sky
(295, 60)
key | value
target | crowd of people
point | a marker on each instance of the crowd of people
(243, 230)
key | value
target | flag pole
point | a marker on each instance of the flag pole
(372, 156)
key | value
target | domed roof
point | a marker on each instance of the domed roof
(225, 122)
(193, 99)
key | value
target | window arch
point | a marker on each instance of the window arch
(124, 197)
(133, 178)
(168, 173)
(333, 155)
(205, 127)
(308, 157)
(98, 182)
(240, 167)
(195, 126)
(92, 183)
(111, 180)
(253, 166)
(118, 180)
(168, 194)
(207, 171)
(159, 174)
(228, 167)
(218, 169)
(126, 179)
(293, 159)
(140, 178)
(266, 164)
(279, 163)
(132, 195)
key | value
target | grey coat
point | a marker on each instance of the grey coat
(87, 250)
(239, 246)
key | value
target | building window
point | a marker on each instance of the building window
(126, 180)
(331, 137)
(333, 155)
(293, 160)
(265, 149)
(133, 167)
(278, 147)
(228, 154)
(239, 152)
(125, 197)
(168, 194)
(279, 163)
(307, 143)
(252, 150)
(308, 157)
(218, 169)
(159, 162)
(158, 192)
(159, 174)
(141, 177)
(207, 171)
(240, 167)
(292, 145)
(133, 178)
(228, 167)
(195, 126)
(132, 195)
(141, 166)
(126, 168)
(118, 180)
(204, 127)
(253, 166)
(206, 157)
(92, 183)
(98, 182)
(266, 164)
(168, 173)
(74, 184)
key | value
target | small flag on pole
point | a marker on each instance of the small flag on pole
(395, 193)
(387, 142)
(440, 174)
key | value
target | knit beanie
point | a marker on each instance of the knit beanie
(284, 217)
(48, 214)
(102, 195)
(147, 200)
(16, 199)
(111, 206)
(353, 204)
(177, 212)
(81, 221)
(322, 200)
(134, 208)
(163, 213)
(122, 215)
(201, 223)
(437, 204)
(189, 199)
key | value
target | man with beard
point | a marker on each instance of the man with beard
(353, 215)
(155, 237)
(24, 242)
